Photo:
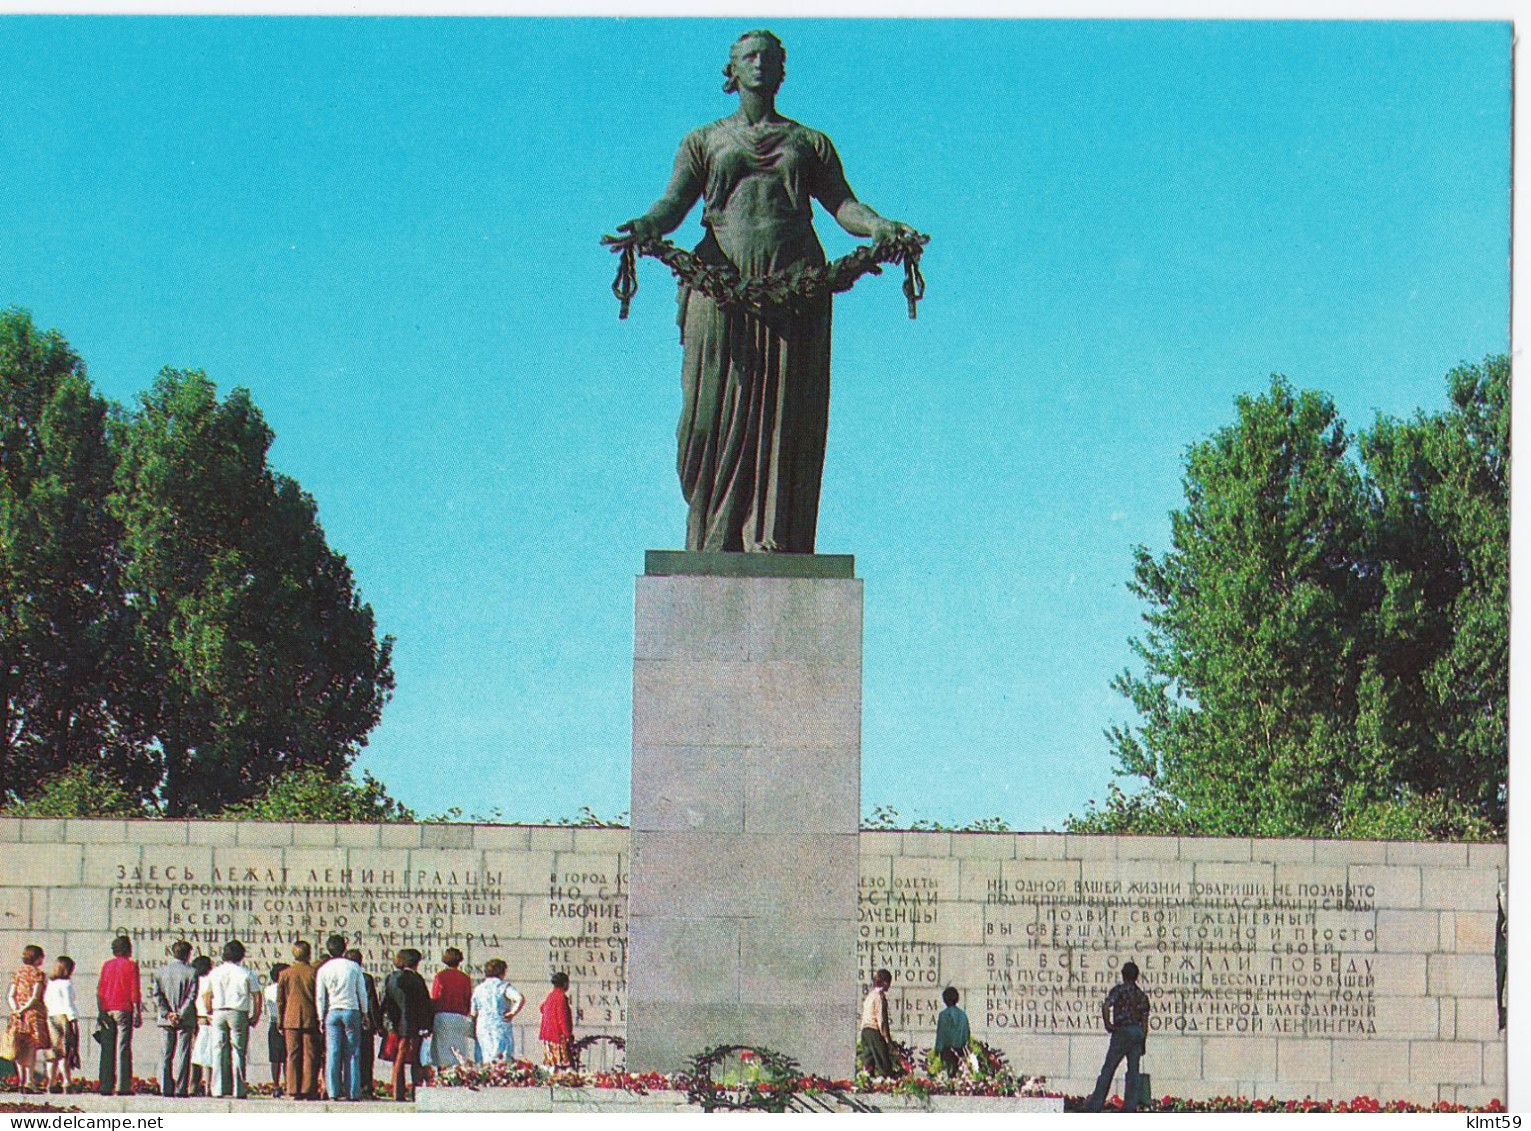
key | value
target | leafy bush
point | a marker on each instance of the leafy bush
(312, 795)
(885, 818)
(1436, 817)
(83, 790)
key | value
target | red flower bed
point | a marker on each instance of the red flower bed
(523, 1074)
(1287, 1107)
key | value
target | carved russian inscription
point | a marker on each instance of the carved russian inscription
(1347, 948)
(1241, 957)
(590, 907)
(575, 923)
(892, 917)
(270, 906)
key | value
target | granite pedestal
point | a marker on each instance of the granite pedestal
(745, 810)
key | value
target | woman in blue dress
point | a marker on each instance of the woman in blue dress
(495, 1005)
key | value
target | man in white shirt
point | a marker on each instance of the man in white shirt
(340, 992)
(233, 998)
(876, 1055)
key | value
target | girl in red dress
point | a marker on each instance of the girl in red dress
(558, 1025)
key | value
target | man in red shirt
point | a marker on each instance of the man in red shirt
(120, 1006)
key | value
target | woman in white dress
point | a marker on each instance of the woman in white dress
(495, 1005)
(204, 1058)
(63, 1023)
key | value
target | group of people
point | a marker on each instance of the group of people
(323, 1020)
(44, 1020)
(953, 1033)
(1125, 1013)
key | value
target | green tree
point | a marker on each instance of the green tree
(83, 790)
(885, 818)
(1437, 699)
(313, 795)
(61, 636)
(1327, 645)
(261, 657)
(1148, 813)
(1256, 628)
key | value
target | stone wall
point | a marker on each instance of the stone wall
(540, 898)
(1284, 968)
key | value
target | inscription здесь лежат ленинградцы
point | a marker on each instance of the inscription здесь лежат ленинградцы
(574, 920)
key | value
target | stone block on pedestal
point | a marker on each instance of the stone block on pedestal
(745, 809)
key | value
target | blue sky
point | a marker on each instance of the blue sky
(388, 231)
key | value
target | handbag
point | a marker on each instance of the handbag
(72, 1046)
(390, 1047)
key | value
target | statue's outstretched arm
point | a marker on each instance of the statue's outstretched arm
(860, 220)
(669, 210)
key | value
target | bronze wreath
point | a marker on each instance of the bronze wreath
(725, 286)
(772, 1095)
(578, 1048)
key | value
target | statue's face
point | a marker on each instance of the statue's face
(757, 64)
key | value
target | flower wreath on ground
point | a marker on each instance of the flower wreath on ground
(754, 1078)
(1239, 1104)
(525, 1074)
(984, 1072)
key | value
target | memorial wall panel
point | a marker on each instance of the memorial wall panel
(487, 891)
(1283, 968)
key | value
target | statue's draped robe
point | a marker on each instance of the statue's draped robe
(755, 384)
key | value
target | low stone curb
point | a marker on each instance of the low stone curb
(612, 1100)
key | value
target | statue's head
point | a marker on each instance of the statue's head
(757, 56)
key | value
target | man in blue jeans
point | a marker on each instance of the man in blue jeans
(340, 993)
(1125, 1012)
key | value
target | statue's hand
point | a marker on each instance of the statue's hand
(641, 227)
(890, 229)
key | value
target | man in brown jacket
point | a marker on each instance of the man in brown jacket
(299, 1014)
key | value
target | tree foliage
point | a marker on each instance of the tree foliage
(1326, 650)
(265, 659)
(169, 607)
(886, 818)
(1438, 704)
(312, 795)
(83, 790)
(62, 661)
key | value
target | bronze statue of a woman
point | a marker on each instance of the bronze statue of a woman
(755, 379)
